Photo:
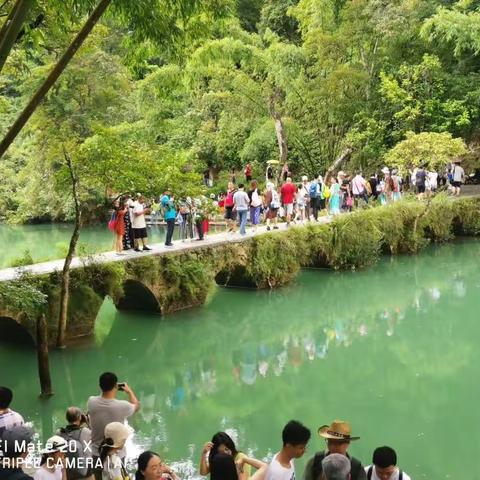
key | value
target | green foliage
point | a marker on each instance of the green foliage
(164, 89)
(188, 281)
(272, 260)
(23, 260)
(434, 150)
(23, 295)
(356, 241)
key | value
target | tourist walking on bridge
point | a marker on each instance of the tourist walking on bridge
(458, 178)
(170, 215)
(359, 188)
(255, 205)
(139, 224)
(241, 203)
(121, 209)
(338, 437)
(271, 203)
(334, 203)
(288, 192)
(230, 213)
(315, 193)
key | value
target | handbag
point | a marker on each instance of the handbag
(349, 201)
(112, 224)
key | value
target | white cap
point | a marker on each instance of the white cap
(54, 444)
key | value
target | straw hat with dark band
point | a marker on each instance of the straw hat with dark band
(338, 430)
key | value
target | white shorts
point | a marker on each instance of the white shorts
(288, 208)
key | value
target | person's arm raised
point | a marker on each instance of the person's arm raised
(131, 397)
(204, 467)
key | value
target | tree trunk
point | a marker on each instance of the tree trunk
(37, 98)
(337, 164)
(12, 27)
(279, 128)
(65, 291)
(42, 357)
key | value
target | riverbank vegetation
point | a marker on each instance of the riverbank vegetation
(158, 95)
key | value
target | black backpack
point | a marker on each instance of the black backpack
(370, 471)
(356, 466)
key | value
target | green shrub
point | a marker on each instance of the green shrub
(319, 244)
(467, 216)
(23, 260)
(356, 241)
(439, 218)
(273, 260)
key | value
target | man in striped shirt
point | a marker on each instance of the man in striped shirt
(8, 418)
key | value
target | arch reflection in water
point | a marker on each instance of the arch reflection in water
(392, 349)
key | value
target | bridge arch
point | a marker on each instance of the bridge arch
(13, 332)
(139, 297)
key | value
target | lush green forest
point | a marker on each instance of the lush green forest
(161, 90)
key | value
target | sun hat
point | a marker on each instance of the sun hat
(304, 178)
(385, 170)
(15, 440)
(118, 433)
(55, 444)
(338, 430)
(341, 173)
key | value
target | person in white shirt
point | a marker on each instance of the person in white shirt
(105, 409)
(139, 224)
(458, 177)
(53, 456)
(359, 188)
(295, 438)
(384, 466)
(8, 418)
(432, 181)
(241, 203)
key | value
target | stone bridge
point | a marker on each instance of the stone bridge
(160, 282)
(168, 280)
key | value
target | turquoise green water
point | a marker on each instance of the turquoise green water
(393, 349)
(50, 241)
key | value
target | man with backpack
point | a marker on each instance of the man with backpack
(315, 192)
(338, 437)
(77, 433)
(384, 466)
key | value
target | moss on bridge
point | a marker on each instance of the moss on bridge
(171, 282)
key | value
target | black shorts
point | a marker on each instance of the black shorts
(229, 213)
(456, 184)
(140, 233)
(421, 188)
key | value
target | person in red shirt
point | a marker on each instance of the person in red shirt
(248, 173)
(288, 192)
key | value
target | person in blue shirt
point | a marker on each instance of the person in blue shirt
(168, 204)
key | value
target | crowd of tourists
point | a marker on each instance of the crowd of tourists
(292, 202)
(92, 446)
